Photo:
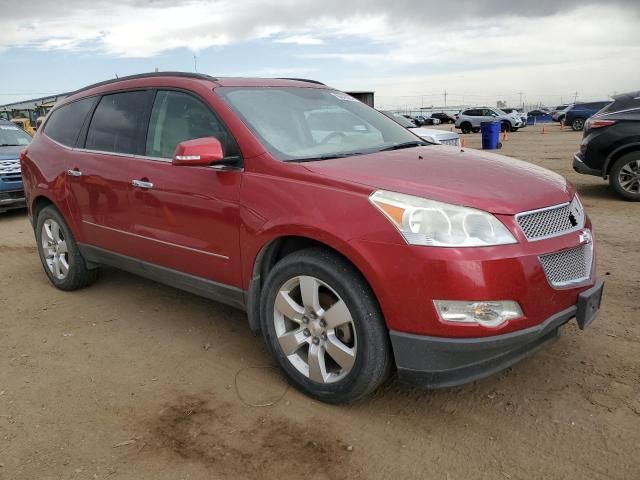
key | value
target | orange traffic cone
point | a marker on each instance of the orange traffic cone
(505, 136)
(462, 142)
(543, 129)
(451, 128)
(562, 125)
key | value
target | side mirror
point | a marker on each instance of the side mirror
(198, 152)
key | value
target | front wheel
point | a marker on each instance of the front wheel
(323, 325)
(624, 176)
(465, 127)
(505, 127)
(60, 256)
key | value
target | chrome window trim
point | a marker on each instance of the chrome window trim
(217, 255)
(552, 207)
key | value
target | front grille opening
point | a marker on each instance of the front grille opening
(552, 221)
(568, 267)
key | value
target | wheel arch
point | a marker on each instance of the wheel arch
(616, 154)
(36, 206)
(279, 247)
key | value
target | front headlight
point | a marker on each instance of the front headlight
(436, 224)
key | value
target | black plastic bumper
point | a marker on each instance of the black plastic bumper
(11, 200)
(580, 167)
(436, 362)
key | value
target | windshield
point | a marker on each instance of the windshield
(297, 123)
(11, 136)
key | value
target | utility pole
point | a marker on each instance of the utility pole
(195, 63)
(521, 104)
(445, 98)
(575, 97)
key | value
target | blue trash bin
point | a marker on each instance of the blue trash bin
(490, 135)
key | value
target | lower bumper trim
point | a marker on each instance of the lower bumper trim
(436, 362)
(580, 167)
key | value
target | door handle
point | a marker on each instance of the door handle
(142, 184)
(74, 173)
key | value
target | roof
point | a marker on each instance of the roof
(221, 81)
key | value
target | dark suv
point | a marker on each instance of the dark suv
(578, 114)
(611, 146)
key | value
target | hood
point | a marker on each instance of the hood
(471, 178)
(432, 134)
(11, 153)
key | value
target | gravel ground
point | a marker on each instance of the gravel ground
(129, 379)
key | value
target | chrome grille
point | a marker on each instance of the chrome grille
(453, 141)
(568, 267)
(10, 170)
(552, 221)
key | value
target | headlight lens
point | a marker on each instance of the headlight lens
(436, 224)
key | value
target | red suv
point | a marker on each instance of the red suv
(353, 245)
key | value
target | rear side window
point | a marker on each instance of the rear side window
(118, 123)
(178, 116)
(65, 122)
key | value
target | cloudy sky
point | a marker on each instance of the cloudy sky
(408, 51)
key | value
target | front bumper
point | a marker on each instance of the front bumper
(11, 200)
(580, 167)
(438, 362)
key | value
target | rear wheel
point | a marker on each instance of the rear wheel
(465, 127)
(324, 327)
(624, 176)
(577, 124)
(61, 259)
(505, 127)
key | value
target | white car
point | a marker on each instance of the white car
(469, 120)
(431, 135)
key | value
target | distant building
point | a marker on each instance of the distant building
(364, 97)
(31, 109)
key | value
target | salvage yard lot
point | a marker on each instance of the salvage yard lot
(132, 380)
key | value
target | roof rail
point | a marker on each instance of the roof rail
(302, 80)
(200, 76)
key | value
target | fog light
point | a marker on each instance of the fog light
(488, 314)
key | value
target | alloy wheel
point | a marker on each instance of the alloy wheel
(54, 248)
(629, 177)
(315, 329)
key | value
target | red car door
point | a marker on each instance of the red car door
(185, 218)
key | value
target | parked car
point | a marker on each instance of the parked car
(611, 146)
(354, 250)
(12, 141)
(431, 135)
(469, 120)
(557, 114)
(578, 114)
(536, 113)
(422, 120)
(443, 117)
(518, 113)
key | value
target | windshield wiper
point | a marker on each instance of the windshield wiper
(399, 146)
(326, 157)
(9, 145)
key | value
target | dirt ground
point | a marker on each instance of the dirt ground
(132, 380)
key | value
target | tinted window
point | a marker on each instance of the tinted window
(117, 123)
(65, 122)
(176, 117)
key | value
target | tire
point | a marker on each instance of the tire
(475, 129)
(515, 129)
(59, 253)
(364, 335)
(465, 127)
(577, 124)
(624, 176)
(505, 127)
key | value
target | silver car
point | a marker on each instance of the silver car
(469, 120)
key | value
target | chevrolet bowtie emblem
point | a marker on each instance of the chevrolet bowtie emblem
(585, 236)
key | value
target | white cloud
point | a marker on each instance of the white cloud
(401, 47)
